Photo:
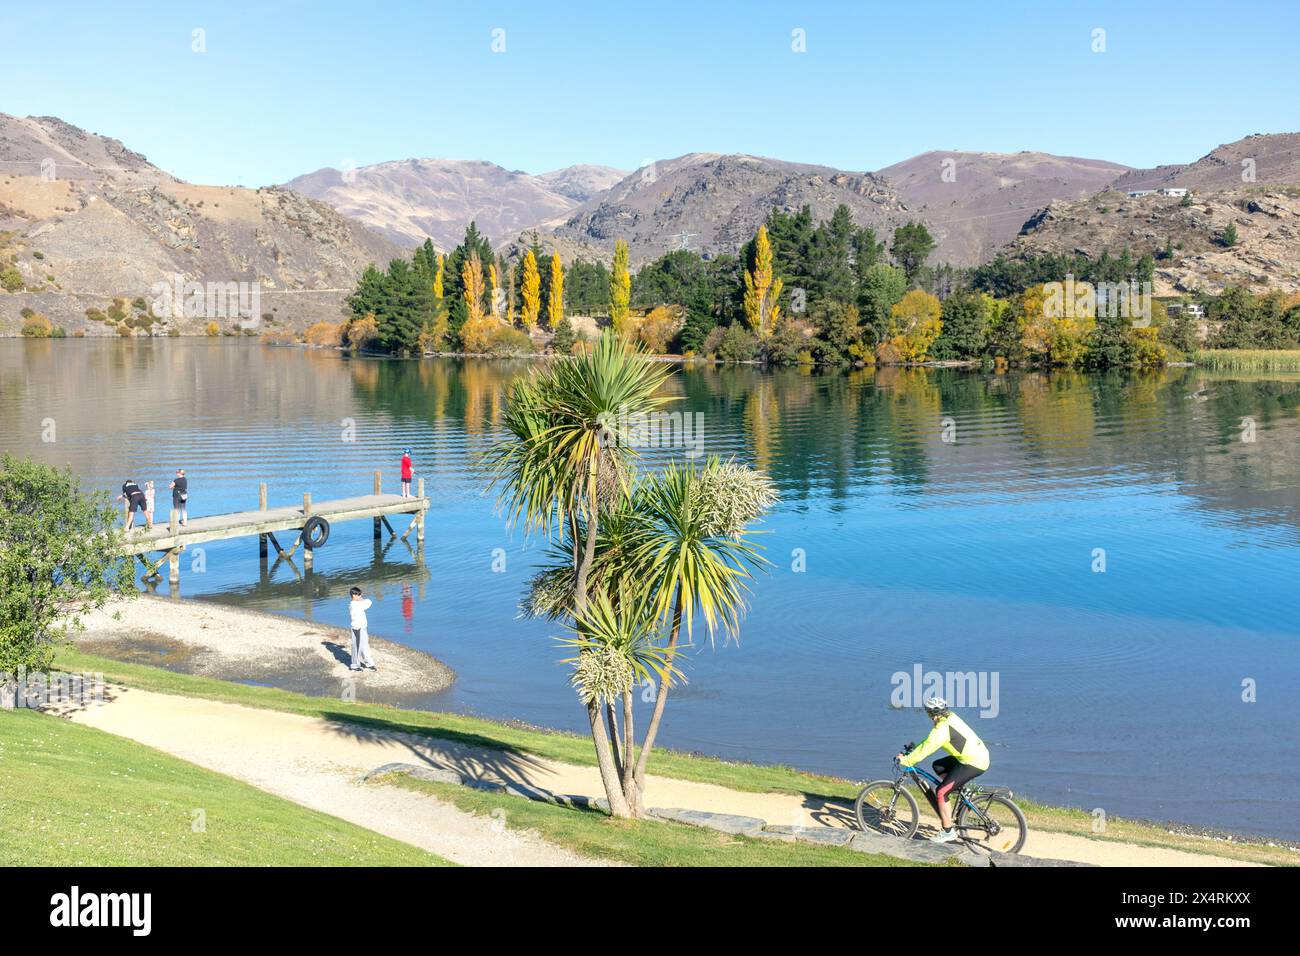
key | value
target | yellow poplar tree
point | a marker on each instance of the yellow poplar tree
(532, 292)
(472, 278)
(510, 294)
(620, 289)
(437, 280)
(493, 285)
(761, 290)
(555, 305)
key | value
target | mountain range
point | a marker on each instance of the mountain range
(84, 220)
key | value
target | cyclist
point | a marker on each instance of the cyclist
(967, 759)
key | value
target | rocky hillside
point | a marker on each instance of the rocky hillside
(412, 199)
(705, 201)
(973, 203)
(1271, 159)
(714, 203)
(1265, 213)
(85, 223)
(1265, 256)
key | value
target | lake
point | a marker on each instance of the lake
(1114, 557)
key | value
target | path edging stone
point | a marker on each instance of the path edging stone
(920, 851)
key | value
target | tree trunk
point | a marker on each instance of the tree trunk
(661, 700)
(616, 743)
(631, 792)
(589, 550)
(605, 763)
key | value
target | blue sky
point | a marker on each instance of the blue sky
(289, 86)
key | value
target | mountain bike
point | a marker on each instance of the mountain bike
(985, 816)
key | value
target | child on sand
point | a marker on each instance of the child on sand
(360, 632)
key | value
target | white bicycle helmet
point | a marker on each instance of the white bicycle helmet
(936, 705)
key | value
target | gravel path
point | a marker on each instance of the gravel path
(315, 763)
(318, 763)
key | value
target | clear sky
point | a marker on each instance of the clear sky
(288, 86)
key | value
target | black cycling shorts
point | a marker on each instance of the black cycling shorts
(955, 774)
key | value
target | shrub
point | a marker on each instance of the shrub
(95, 315)
(738, 344)
(785, 345)
(325, 334)
(37, 254)
(124, 331)
(656, 330)
(117, 311)
(37, 327)
(712, 342)
(11, 280)
(26, 312)
(213, 329)
(489, 336)
(566, 336)
(60, 558)
(361, 333)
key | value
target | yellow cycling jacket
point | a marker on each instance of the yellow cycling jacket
(955, 736)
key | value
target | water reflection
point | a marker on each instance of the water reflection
(947, 518)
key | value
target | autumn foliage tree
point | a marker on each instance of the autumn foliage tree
(531, 291)
(914, 324)
(620, 289)
(493, 284)
(762, 290)
(472, 282)
(555, 303)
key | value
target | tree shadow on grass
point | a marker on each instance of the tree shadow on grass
(473, 756)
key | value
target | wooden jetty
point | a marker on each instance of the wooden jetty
(168, 540)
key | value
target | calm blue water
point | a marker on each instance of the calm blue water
(1119, 689)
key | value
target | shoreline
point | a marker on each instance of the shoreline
(211, 639)
(409, 679)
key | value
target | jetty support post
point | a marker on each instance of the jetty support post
(306, 545)
(174, 553)
(379, 488)
(419, 527)
(261, 506)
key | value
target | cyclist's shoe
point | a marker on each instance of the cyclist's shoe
(944, 836)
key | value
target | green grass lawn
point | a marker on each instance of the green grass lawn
(575, 749)
(73, 796)
(639, 842)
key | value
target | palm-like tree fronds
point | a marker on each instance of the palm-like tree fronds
(618, 646)
(691, 550)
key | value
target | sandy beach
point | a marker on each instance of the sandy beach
(208, 639)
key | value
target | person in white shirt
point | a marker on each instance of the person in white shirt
(360, 634)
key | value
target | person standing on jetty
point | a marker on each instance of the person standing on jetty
(180, 487)
(408, 472)
(134, 499)
(357, 608)
(150, 496)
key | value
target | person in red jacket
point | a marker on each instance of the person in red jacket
(408, 472)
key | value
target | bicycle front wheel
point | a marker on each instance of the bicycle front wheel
(998, 826)
(887, 809)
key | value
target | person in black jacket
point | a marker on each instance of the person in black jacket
(134, 498)
(180, 494)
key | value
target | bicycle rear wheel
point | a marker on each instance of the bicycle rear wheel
(886, 809)
(1003, 828)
